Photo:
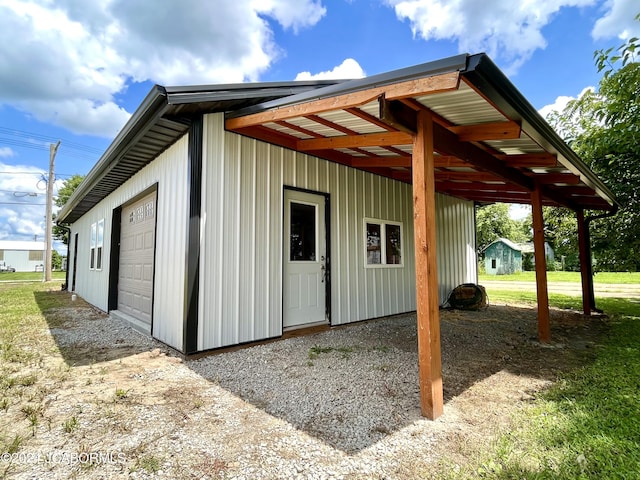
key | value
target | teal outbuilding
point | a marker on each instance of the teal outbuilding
(502, 257)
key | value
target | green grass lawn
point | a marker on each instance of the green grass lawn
(600, 277)
(586, 426)
(29, 276)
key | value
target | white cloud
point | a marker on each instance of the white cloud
(557, 106)
(65, 61)
(22, 202)
(508, 31)
(619, 21)
(561, 102)
(346, 70)
(6, 152)
(22, 216)
(304, 14)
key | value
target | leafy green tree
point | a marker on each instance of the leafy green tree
(56, 260)
(64, 193)
(603, 127)
(560, 230)
(493, 222)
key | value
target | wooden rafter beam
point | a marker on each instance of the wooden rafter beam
(496, 197)
(328, 123)
(447, 143)
(447, 161)
(381, 162)
(385, 172)
(487, 131)
(402, 175)
(529, 160)
(355, 141)
(579, 190)
(472, 176)
(297, 128)
(489, 196)
(334, 156)
(480, 186)
(549, 178)
(410, 88)
(270, 135)
(369, 118)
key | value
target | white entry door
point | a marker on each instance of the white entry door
(305, 252)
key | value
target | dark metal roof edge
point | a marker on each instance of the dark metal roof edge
(217, 87)
(483, 73)
(208, 95)
(445, 65)
(154, 102)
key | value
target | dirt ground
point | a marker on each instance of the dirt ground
(111, 403)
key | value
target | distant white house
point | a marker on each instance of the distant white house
(23, 256)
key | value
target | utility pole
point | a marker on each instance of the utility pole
(49, 220)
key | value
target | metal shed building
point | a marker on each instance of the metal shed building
(502, 257)
(23, 256)
(225, 214)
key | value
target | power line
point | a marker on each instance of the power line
(8, 172)
(24, 203)
(21, 138)
(20, 191)
(46, 139)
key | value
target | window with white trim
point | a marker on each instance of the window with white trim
(97, 242)
(94, 241)
(99, 245)
(384, 243)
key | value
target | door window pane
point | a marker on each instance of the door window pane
(303, 232)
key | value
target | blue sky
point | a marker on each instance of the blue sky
(75, 70)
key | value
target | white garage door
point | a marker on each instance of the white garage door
(137, 242)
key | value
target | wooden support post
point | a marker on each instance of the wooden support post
(424, 221)
(585, 262)
(544, 330)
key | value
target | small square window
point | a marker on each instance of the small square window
(384, 244)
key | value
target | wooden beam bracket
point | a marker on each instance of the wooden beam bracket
(398, 115)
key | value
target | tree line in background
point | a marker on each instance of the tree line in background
(603, 128)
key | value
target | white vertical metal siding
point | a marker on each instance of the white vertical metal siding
(169, 172)
(456, 238)
(241, 243)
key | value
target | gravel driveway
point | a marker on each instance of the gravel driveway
(343, 403)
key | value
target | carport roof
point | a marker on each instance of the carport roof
(491, 145)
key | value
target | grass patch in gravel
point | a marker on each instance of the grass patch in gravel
(317, 350)
(587, 425)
